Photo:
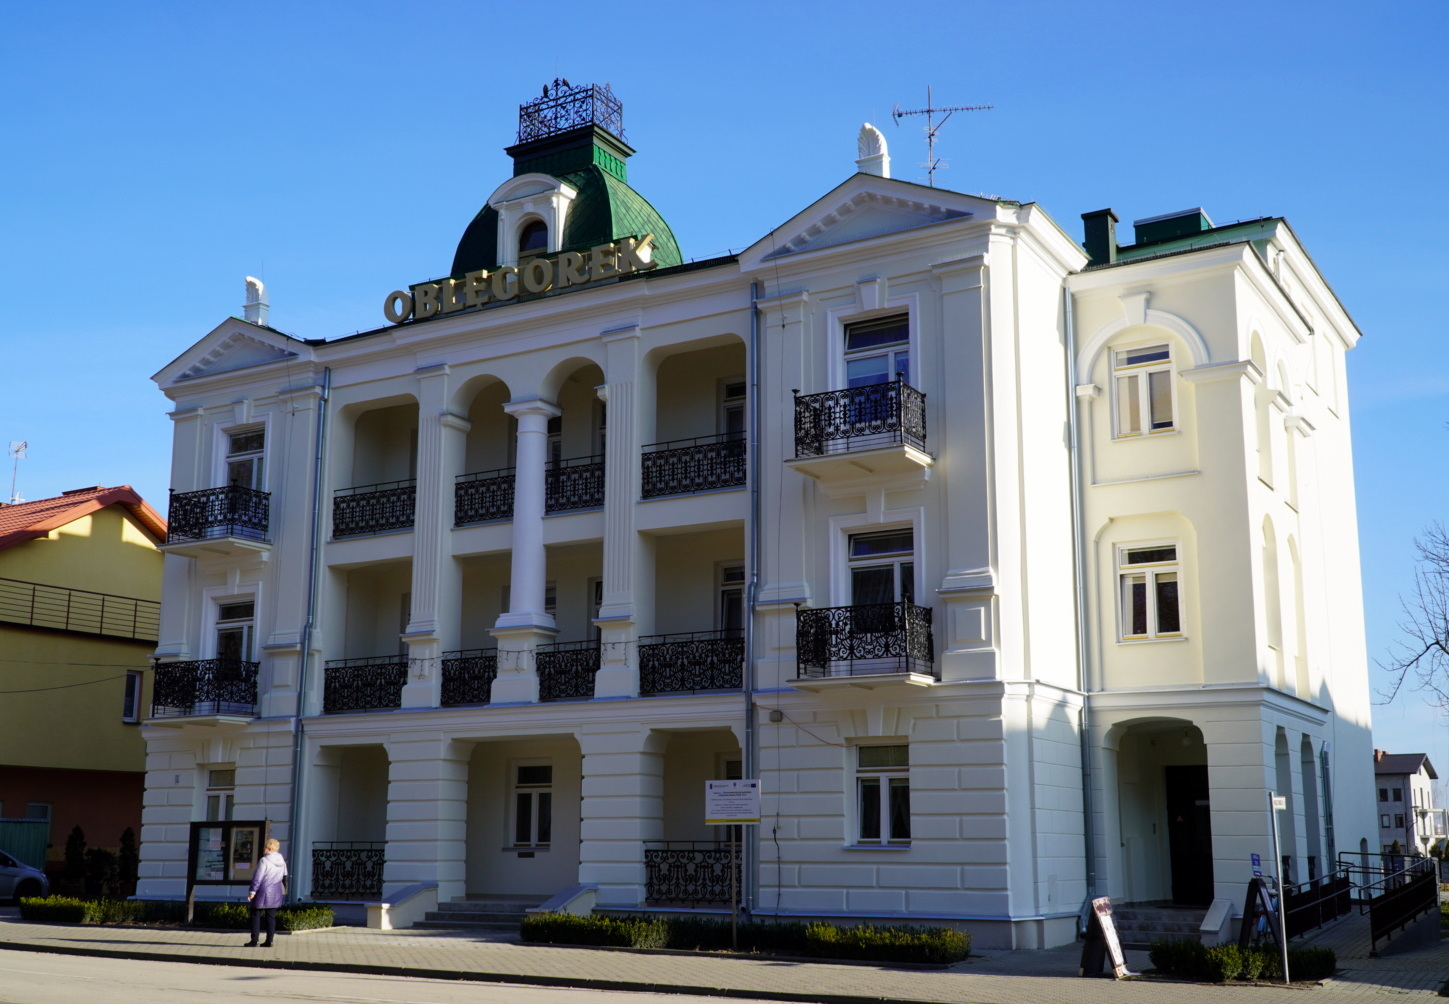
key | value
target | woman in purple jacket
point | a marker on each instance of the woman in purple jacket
(268, 888)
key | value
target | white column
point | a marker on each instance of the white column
(621, 808)
(427, 809)
(624, 599)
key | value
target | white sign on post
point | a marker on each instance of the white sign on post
(730, 802)
(1280, 802)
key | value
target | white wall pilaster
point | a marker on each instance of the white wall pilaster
(427, 808)
(622, 807)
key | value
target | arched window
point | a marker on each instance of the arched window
(533, 238)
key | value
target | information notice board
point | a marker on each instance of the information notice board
(224, 852)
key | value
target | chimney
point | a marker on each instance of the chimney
(1168, 226)
(1378, 755)
(256, 308)
(1100, 236)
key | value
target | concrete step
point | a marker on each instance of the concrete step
(466, 925)
(474, 906)
(475, 917)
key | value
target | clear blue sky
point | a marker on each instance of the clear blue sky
(156, 153)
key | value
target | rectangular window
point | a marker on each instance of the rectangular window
(244, 458)
(131, 704)
(882, 567)
(877, 351)
(883, 795)
(1384, 820)
(220, 793)
(533, 805)
(1142, 384)
(732, 409)
(1383, 794)
(1399, 820)
(732, 597)
(1398, 794)
(1151, 607)
(234, 630)
(37, 810)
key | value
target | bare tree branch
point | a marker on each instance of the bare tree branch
(1421, 658)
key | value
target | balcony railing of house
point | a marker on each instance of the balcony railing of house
(468, 676)
(566, 669)
(689, 871)
(870, 639)
(371, 684)
(483, 497)
(347, 869)
(377, 508)
(574, 484)
(79, 611)
(204, 687)
(691, 661)
(860, 418)
(702, 464)
(229, 511)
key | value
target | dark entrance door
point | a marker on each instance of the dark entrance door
(1189, 835)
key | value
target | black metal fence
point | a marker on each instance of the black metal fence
(204, 687)
(691, 661)
(868, 639)
(372, 684)
(702, 464)
(568, 107)
(574, 484)
(468, 676)
(35, 604)
(390, 505)
(1312, 904)
(690, 871)
(229, 511)
(483, 497)
(347, 869)
(860, 418)
(566, 669)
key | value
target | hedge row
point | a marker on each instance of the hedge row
(69, 910)
(1193, 961)
(827, 941)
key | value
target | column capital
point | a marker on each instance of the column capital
(533, 406)
(454, 421)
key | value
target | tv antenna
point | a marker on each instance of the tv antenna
(17, 451)
(933, 127)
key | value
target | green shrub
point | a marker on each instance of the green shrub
(887, 944)
(1221, 963)
(53, 909)
(568, 929)
(1255, 960)
(1180, 956)
(1312, 963)
(234, 916)
(711, 933)
(304, 917)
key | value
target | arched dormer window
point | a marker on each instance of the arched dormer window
(533, 238)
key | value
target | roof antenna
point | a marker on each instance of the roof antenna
(17, 450)
(932, 128)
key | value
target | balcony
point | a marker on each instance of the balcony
(566, 670)
(868, 645)
(571, 485)
(689, 872)
(78, 611)
(226, 520)
(485, 497)
(468, 676)
(878, 429)
(372, 684)
(218, 688)
(376, 508)
(692, 661)
(347, 869)
(685, 466)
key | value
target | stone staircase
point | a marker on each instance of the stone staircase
(497, 913)
(1140, 923)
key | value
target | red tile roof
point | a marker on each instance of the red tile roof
(28, 520)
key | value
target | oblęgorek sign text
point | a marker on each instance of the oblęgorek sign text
(535, 275)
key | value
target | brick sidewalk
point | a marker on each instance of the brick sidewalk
(1041, 977)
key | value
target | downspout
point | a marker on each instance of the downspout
(1089, 842)
(313, 573)
(750, 767)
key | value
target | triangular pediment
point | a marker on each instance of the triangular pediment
(865, 206)
(233, 345)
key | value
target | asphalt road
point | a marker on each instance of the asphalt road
(35, 978)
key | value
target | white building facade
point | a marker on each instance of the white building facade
(1015, 575)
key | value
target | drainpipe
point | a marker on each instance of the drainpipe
(313, 573)
(751, 752)
(1089, 843)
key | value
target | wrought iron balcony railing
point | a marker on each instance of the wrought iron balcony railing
(468, 676)
(692, 661)
(871, 639)
(229, 511)
(204, 687)
(78, 611)
(702, 464)
(372, 684)
(374, 508)
(347, 869)
(689, 871)
(860, 418)
(574, 484)
(566, 669)
(483, 497)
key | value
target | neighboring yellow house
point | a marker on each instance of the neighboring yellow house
(80, 585)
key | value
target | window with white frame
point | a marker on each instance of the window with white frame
(882, 567)
(732, 409)
(882, 795)
(532, 239)
(234, 625)
(244, 458)
(131, 703)
(1142, 384)
(878, 351)
(1384, 820)
(220, 793)
(731, 597)
(532, 804)
(1151, 605)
